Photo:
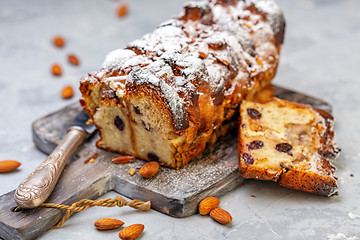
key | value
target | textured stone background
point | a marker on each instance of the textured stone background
(320, 57)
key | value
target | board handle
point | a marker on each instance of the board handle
(37, 187)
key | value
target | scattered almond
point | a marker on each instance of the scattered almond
(67, 92)
(221, 216)
(131, 232)
(131, 171)
(122, 10)
(91, 157)
(59, 41)
(74, 60)
(108, 223)
(56, 69)
(149, 169)
(123, 159)
(8, 165)
(208, 204)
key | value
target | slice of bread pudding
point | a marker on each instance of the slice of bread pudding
(289, 143)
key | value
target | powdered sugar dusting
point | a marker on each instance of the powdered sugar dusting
(340, 236)
(152, 74)
(199, 4)
(216, 78)
(164, 38)
(352, 215)
(175, 102)
(274, 16)
(115, 59)
(211, 44)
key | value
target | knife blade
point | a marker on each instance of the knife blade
(37, 187)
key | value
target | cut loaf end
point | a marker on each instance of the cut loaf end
(289, 143)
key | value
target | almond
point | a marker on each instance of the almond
(67, 92)
(149, 169)
(56, 69)
(74, 60)
(122, 10)
(123, 159)
(221, 216)
(108, 223)
(59, 41)
(208, 204)
(8, 165)
(131, 232)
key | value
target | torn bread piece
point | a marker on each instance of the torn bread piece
(289, 143)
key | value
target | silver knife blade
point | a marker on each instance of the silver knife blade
(81, 121)
(47, 145)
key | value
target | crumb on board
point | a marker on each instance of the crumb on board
(89, 122)
(91, 158)
(131, 171)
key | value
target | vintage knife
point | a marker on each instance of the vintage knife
(37, 187)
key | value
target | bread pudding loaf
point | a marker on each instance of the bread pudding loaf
(172, 93)
(288, 143)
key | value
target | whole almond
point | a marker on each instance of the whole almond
(122, 10)
(149, 169)
(67, 92)
(221, 216)
(59, 41)
(123, 159)
(108, 223)
(56, 69)
(131, 232)
(8, 165)
(73, 59)
(208, 204)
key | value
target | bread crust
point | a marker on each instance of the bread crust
(319, 178)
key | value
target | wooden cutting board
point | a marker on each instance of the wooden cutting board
(174, 192)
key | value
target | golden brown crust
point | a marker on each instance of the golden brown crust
(308, 181)
(310, 169)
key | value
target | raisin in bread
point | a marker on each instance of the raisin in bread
(172, 93)
(289, 143)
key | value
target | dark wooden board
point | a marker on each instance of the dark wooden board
(173, 192)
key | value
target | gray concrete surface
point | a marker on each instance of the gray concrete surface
(320, 57)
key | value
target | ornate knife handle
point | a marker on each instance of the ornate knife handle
(37, 187)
